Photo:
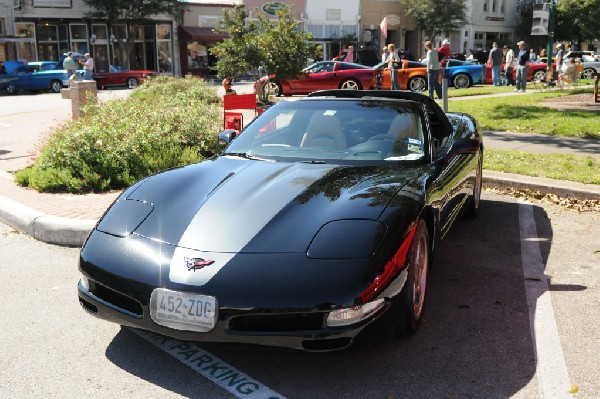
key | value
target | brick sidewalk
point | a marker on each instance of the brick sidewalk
(82, 207)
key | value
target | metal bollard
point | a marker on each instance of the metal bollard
(444, 91)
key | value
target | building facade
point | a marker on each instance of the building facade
(43, 30)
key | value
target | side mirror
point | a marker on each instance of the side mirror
(227, 136)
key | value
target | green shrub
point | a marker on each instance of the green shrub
(166, 122)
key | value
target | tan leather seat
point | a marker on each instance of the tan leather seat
(324, 131)
(404, 126)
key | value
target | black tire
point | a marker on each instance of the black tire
(11, 89)
(588, 73)
(132, 83)
(272, 88)
(539, 76)
(462, 81)
(350, 84)
(412, 298)
(55, 86)
(475, 198)
(418, 84)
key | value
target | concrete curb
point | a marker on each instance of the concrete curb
(561, 188)
(42, 227)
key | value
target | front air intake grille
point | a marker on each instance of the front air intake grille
(117, 299)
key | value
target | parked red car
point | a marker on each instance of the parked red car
(324, 75)
(119, 76)
(536, 71)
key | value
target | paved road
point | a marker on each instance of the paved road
(487, 332)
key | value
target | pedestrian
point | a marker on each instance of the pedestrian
(495, 62)
(445, 49)
(433, 70)
(228, 85)
(522, 67)
(384, 54)
(350, 55)
(560, 55)
(509, 62)
(88, 67)
(393, 62)
(70, 65)
(532, 56)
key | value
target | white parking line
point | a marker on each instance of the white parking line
(211, 367)
(551, 369)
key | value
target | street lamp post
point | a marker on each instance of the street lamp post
(551, 18)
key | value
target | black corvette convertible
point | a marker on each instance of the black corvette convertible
(315, 224)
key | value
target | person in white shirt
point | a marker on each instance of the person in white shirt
(88, 67)
(509, 59)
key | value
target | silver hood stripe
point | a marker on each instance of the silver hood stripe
(218, 232)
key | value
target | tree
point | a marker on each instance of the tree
(133, 13)
(436, 17)
(240, 52)
(277, 46)
(577, 20)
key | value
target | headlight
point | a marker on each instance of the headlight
(346, 239)
(84, 283)
(355, 314)
(124, 216)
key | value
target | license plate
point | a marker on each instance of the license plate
(183, 310)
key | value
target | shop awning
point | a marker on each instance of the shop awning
(192, 33)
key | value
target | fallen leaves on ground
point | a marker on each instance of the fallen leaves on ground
(575, 204)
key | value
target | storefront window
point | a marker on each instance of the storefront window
(78, 32)
(197, 55)
(164, 57)
(25, 29)
(165, 52)
(163, 32)
(26, 51)
(47, 33)
(100, 32)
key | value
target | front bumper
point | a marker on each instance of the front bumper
(303, 330)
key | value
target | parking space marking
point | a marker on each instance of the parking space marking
(551, 368)
(211, 367)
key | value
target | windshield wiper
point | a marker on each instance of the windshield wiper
(244, 155)
(315, 162)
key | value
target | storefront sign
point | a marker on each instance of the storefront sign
(52, 3)
(272, 8)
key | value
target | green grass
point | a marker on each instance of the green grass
(526, 113)
(577, 168)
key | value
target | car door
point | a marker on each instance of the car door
(321, 76)
(26, 78)
(452, 183)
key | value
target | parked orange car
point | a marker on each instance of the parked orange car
(412, 76)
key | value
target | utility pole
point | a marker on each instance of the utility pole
(551, 19)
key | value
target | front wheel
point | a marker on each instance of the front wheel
(417, 84)
(588, 73)
(350, 84)
(11, 89)
(272, 89)
(132, 83)
(412, 297)
(461, 81)
(55, 86)
(539, 76)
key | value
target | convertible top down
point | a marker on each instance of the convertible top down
(315, 224)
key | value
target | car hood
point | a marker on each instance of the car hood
(231, 205)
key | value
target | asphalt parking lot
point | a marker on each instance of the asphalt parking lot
(512, 312)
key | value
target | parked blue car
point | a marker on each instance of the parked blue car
(38, 75)
(463, 74)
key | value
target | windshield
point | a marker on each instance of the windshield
(335, 130)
